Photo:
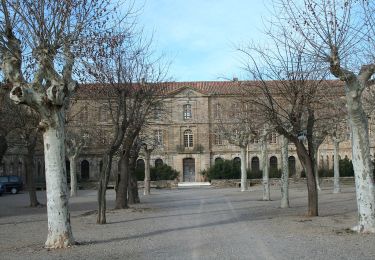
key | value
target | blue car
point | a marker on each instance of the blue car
(12, 184)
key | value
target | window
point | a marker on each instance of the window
(157, 113)
(218, 111)
(103, 114)
(158, 162)
(187, 111)
(273, 163)
(218, 138)
(84, 114)
(256, 138)
(158, 135)
(188, 138)
(272, 138)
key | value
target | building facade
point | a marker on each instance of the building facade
(185, 132)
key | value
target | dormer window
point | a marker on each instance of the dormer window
(187, 112)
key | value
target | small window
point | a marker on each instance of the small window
(157, 113)
(188, 138)
(158, 135)
(218, 111)
(272, 138)
(103, 114)
(218, 138)
(187, 111)
(84, 114)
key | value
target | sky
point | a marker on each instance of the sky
(200, 37)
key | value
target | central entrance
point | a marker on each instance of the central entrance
(189, 170)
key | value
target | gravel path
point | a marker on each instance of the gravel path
(199, 223)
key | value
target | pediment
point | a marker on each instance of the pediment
(187, 92)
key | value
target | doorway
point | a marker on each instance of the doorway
(189, 170)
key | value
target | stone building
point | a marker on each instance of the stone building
(184, 129)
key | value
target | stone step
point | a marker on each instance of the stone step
(193, 184)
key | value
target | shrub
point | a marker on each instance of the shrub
(254, 174)
(274, 173)
(225, 169)
(163, 172)
(140, 173)
(346, 167)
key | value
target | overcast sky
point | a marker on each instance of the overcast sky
(200, 36)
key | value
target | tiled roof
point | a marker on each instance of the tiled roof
(203, 87)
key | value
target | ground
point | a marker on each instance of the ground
(193, 223)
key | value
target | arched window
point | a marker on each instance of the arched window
(237, 161)
(158, 162)
(140, 167)
(292, 165)
(187, 111)
(188, 138)
(218, 160)
(67, 166)
(85, 170)
(273, 163)
(255, 164)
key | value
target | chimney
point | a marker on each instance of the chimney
(235, 79)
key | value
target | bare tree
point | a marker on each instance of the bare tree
(339, 34)
(287, 95)
(128, 74)
(19, 124)
(40, 42)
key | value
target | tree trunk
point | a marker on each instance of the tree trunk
(336, 169)
(133, 184)
(316, 173)
(243, 169)
(30, 181)
(102, 189)
(59, 229)
(285, 174)
(265, 169)
(73, 176)
(361, 161)
(122, 188)
(312, 193)
(3, 146)
(147, 181)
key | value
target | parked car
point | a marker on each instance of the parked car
(2, 189)
(12, 184)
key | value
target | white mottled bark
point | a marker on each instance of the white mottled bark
(265, 169)
(243, 169)
(361, 161)
(73, 176)
(336, 169)
(59, 229)
(147, 186)
(285, 174)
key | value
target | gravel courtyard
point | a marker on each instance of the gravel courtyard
(193, 223)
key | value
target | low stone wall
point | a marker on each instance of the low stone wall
(160, 184)
(232, 183)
